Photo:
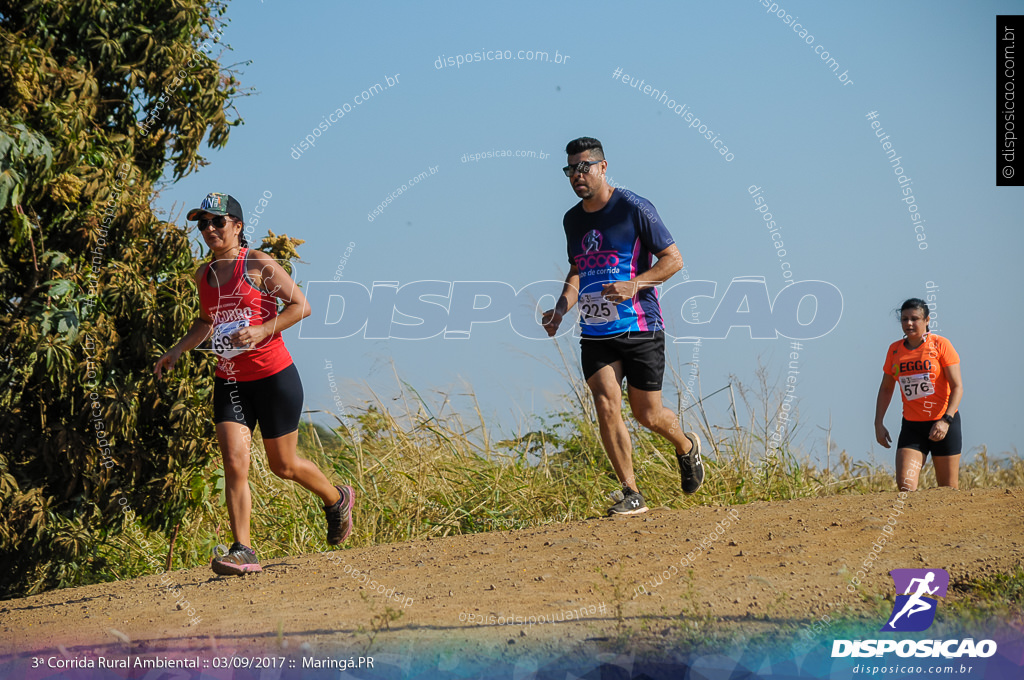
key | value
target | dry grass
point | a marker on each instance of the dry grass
(418, 473)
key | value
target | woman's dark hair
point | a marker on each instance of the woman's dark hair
(241, 235)
(585, 144)
(914, 303)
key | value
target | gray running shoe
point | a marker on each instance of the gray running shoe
(629, 502)
(690, 466)
(339, 516)
(239, 560)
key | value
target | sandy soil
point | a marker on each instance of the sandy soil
(771, 565)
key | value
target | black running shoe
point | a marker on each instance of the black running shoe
(690, 466)
(339, 516)
(239, 560)
(629, 502)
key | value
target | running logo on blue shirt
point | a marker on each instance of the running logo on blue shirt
(593, 257)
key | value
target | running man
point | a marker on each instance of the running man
(613, 236)
(256, 381)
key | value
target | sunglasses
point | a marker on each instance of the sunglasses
(582, 167)
(217, 222)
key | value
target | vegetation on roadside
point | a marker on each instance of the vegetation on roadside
(100, 103)
(423, 473)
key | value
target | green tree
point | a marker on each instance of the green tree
(99, 101)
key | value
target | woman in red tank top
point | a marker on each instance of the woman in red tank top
(256, 381)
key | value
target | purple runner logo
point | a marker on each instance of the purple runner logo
(914, 611)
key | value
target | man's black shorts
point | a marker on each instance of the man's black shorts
(914, 435)
(275, 402)
(642, 354)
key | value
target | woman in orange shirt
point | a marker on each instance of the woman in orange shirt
(927, 369)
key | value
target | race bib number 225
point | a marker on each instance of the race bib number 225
(595, 309)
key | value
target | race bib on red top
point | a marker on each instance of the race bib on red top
(222, 345)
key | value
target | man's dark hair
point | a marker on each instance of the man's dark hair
(585, 144)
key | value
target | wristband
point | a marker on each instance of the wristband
(948, 418)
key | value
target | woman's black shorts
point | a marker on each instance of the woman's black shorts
(914, 435)
(275, 402)
(642, 354)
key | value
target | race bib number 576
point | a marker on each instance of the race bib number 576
(917, 385)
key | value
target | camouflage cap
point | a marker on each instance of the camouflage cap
(217, 204)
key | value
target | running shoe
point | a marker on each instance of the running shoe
(339, 516)
(239, 560)
(690, 466)
(629, 502)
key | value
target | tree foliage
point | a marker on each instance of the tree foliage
(99, 102)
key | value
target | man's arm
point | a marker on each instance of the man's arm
(570, 294)
(570, 291)
(669, 262)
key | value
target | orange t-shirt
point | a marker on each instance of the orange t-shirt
(919, 376)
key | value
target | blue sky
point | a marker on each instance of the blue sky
(793, 127)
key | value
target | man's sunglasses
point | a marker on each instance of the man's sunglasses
(582, 167)
(217, 222)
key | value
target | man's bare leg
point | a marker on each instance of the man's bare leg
(606, 387)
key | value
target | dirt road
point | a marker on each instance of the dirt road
(761, 566)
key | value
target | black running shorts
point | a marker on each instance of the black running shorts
(914, 435)
(275, 402)
(642, 354)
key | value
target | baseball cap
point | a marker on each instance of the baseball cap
(217, 204)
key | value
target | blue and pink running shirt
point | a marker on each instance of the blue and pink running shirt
(616, 243)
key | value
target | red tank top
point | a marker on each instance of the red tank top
(234, 305)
